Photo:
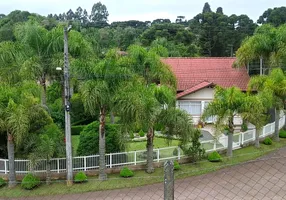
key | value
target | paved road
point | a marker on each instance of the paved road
(260, 179)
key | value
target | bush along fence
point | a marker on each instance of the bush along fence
(85, 163)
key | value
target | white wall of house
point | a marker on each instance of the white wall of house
(196, 102)
(203, 94)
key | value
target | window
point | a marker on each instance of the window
(192, 107)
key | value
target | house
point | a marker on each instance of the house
(197, 77)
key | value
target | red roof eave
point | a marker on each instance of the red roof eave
(194, 89)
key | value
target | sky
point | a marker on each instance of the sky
(144, 10)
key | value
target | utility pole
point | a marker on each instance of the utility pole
(261, 66)
(69, 164)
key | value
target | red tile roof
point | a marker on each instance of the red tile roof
(191, 72)
(194, 89)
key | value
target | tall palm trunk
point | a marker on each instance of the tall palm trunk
(11, 158)
(230, 137)
(44, 92)
(150, 138)
(277, 117)
(257, 134)
(102, 166)
(112, 120)
(48, 175)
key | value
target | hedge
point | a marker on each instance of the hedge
(75, 130)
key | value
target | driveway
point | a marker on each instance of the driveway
(264, 178)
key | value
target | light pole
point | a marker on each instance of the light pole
(69, 164)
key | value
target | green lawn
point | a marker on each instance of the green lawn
(75, 142)
(133, 146)
(158, 143)
(141, 178)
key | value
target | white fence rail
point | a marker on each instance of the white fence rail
(85, 163)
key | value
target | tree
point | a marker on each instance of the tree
(276, 16)
(275, 85)
(226, 104)
(47, 145)
(44, 51)
(262, 45)
(207, 8)
(142, 101)
(141, 105)
(255, 111)
(103, 78)
(99, 15)
(15, 118)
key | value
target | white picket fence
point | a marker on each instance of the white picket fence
(85, 163)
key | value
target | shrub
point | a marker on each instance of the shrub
(267, 141)
(2, 182)
(214, 157)
(75, 130)
(126, 172)
(30, 181)
(89, 139)
(194, 150)
(175, 152)
(244, 127)
(131, 135)
(141, 133)
(80, 177)
(282, 134)
(176, 165)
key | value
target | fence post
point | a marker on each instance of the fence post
(5, 164)
(110, 160)
(179, 153)
(242, 137)
(135, 157)
(169, 180)
(84, 162)
(58, 165)
(158, 155)
(215, 144)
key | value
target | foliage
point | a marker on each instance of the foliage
(89, 139)
(80, 177)
(214, 157)
(267, 141)
(76, 130)
(244, 127)
(194, 150)
(126, 172)
(30, 181)
(176, 165)
(141, 133)
(282, 134)
(2, 182)
(275, 16)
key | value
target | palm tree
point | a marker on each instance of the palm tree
(102, 81)
(146, 106)
(262, 45)
(255, 111)
(14, 121)
(226, 104)
(148, 65)
(47, 145)
(274, 84)
(44, 51)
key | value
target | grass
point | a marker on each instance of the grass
(158, 143)
(133, 146)
(141, 178)
(75, 142)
